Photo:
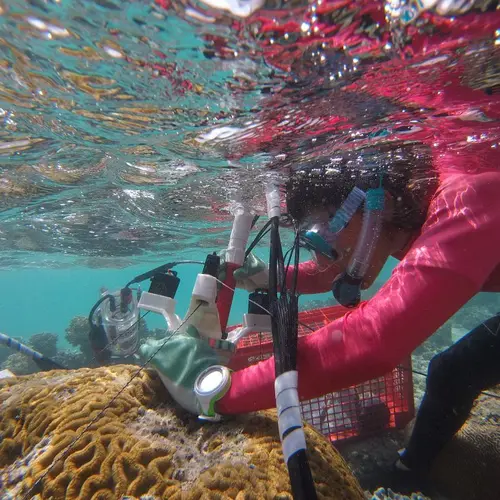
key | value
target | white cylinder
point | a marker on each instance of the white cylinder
(205, 288)
(242, 226)
(273, 200)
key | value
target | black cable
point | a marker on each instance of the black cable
(273, 260)
(96, 306)
(294, 248)
(288, 255)
(284, 321)
(296, 263)
(159, 270)
(259, 236)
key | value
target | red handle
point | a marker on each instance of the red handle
(225, 295)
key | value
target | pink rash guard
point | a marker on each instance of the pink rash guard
(455, 256)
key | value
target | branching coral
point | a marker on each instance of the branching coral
(77, 334)
(70, 359)
(46, 343)
(141, 445)
(20, 364)
(383, 494)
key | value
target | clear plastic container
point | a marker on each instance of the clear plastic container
(121, 322)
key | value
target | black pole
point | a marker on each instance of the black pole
(284, 321)
(44, 363)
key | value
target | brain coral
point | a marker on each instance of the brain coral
(142, 446)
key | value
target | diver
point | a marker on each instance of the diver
(354, 210)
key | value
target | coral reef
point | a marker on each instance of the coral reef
(20, 364)
(46, 343)
(71, 359)
(77, 334)
(5, 352)
(382, 494)
(82, 435)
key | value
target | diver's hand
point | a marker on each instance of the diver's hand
(181, 360)
(252, 275)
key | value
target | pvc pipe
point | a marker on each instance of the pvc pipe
(235, 256)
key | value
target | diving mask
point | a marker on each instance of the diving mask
(321, 238)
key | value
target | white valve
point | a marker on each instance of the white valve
(161, 305)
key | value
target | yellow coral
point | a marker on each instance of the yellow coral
(142, 445)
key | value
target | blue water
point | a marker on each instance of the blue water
(45, 300)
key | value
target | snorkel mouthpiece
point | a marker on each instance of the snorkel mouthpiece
(321, 238)
(347, 289)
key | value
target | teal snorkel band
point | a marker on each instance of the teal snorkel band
(346, 287)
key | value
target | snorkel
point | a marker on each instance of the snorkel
(346, 287)
(322, 239)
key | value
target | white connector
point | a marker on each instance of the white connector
(273, 200)
(252, 323)
(161, 305)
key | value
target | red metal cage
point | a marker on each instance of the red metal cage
(359, 411)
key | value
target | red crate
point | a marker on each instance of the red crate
(359, 411)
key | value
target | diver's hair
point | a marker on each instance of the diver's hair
(404, 168)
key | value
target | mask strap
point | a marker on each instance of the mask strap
(347, 210)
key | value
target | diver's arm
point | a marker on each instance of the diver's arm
(364, 344)
(312, 278)
(446, 266)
